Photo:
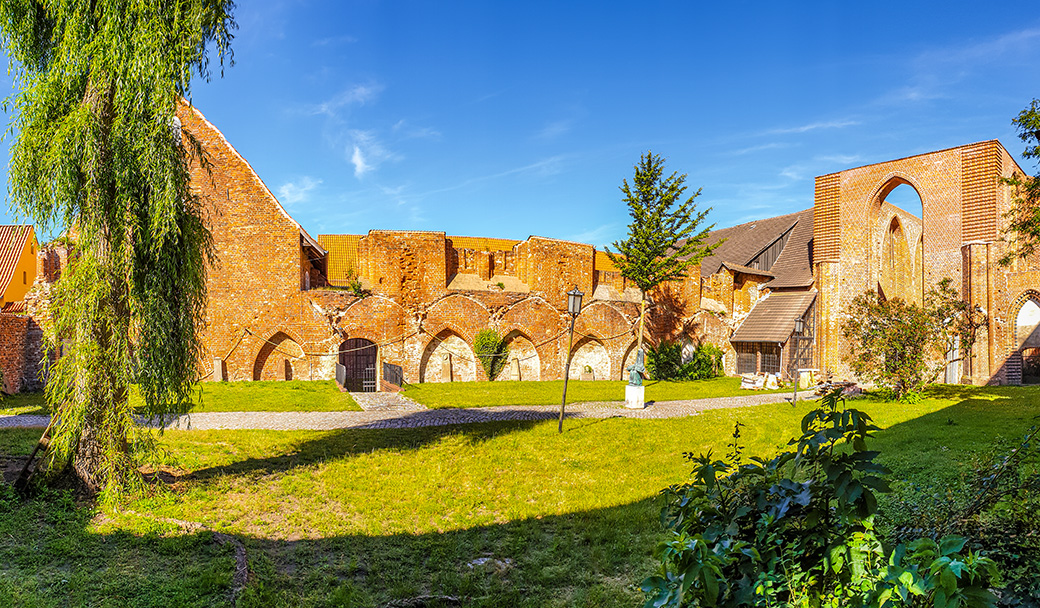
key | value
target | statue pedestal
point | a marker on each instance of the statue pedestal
(634, 397)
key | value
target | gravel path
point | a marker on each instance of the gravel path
(399, 412)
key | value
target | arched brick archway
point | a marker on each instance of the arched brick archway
(961, 197)
(448, 358)
(1023, 363)
(278, 358)
(590, 352)
(523, 362)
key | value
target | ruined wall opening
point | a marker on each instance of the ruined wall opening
(278, 358)
(900, 263)
(1027, 340)
(590, 357)
(523, 362)
(448, 358)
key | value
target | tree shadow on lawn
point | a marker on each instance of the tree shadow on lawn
(346, 443)
(589, 558)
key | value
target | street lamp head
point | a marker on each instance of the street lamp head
(799, 326)
(574, 301)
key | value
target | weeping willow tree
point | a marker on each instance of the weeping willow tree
(97, 151)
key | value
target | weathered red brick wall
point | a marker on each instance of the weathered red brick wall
(14, 350)
(963, 203)
(264, 325)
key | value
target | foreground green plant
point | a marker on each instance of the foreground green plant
(798, 530)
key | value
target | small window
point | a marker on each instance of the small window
(770, 359)
(25, 278)
(747, 358)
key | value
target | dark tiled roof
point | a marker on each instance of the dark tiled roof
(748, 269)
(12, 243)
(745, 241)
(772, 319)
(794, 266)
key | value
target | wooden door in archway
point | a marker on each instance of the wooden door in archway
(358, 356)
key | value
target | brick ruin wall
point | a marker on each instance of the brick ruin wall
(271, 316)
(263, 324)
(22, 351)
(963, 209)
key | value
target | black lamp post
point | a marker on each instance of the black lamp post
(574, 309)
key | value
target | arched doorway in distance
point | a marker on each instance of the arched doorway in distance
(1027, 339)
(358, 357)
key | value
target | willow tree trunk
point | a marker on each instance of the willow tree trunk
(103, 451)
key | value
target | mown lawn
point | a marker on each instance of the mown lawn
(363, 517)
(275, 396)
(484, 394)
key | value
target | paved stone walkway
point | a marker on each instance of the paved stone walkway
(396, 414)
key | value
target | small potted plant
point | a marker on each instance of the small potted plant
(587, 373)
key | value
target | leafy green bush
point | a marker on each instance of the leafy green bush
(491, 351)
(664, 362)
(901, 346)
(996, 506)
(798, 530)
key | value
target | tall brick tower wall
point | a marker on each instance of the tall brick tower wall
(963, 203)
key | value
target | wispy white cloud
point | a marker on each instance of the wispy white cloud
(759, 148)
(554, 129)
(599, 235)
(356, 95)
(357, 159)
(543, 168)
(840, 159)
(934, 72)
(406, 130)
(367, 152)
(334, 40)
(298, 191)
(814, 126)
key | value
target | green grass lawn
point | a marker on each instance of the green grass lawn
(362, 517)
(484, 394)
(275, 396)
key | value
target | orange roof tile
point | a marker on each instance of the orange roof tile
(482, 243)
(12, 243)
(14, 308)
(603, 263)
(342, 256)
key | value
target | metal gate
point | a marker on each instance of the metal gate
(358, 358)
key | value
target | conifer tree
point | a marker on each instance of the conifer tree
(1024, 218)
(98, 150)
(663, 238)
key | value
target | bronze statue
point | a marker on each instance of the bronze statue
(635, 372)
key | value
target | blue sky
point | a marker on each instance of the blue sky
(512, 119)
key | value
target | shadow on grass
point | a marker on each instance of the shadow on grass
(592, 557)
(346, 443)
(589, 558)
